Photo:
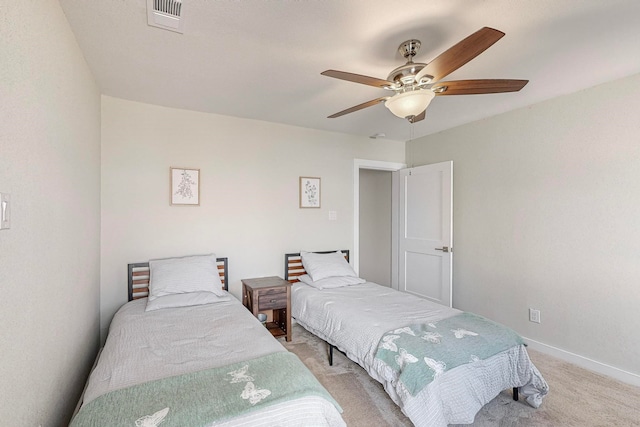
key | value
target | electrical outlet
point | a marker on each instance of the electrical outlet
(534, 315)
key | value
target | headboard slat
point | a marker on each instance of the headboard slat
(139, 272)
(139, 276)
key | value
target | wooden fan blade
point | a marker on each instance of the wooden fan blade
(475, 87)
(461, 53)
(357, 78)
(418, 117)
(359, 107)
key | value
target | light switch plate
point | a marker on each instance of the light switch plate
(5, 211)
(333, 215)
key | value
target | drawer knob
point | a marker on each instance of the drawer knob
(274, 300)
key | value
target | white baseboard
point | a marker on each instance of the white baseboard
(586, 363)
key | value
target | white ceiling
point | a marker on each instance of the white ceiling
(262, 59)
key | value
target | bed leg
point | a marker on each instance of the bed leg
(515, 394)
(330, 355)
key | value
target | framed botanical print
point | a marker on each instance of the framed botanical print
(185, 186)
(309, 192)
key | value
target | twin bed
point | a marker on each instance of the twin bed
(184, 352)
(396, 337)
(197, 358)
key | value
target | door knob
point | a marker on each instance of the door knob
(443, 249)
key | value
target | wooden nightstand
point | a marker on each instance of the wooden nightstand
(272, 296)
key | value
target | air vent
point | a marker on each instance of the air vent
(166, 14)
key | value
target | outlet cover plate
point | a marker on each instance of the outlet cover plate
(534, 315)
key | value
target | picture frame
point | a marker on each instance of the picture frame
(310, 192)
(184, 186)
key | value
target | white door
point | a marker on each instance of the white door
(425, 237)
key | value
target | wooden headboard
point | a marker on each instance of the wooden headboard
(293, 264)
(138, 278)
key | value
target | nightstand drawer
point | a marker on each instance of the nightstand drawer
(269, 299)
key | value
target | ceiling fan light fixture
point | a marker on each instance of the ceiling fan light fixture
(410, 103)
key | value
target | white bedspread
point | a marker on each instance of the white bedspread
(354, 318)
(145, 346)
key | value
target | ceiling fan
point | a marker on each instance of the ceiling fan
(415, 84)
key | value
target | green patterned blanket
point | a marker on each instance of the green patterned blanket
(200, 398)
(417, 354)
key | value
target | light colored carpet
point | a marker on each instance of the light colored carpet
(577, 397)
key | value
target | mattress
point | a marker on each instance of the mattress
(145, 346)
(354, 318)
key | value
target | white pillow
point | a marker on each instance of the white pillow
(331, 282)
(182, 275)
(321, 266)
(184, 300)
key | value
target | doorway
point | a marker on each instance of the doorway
(429, 187)
(375, 226)
(389, 247)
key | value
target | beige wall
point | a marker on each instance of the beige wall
(249, 191)
(49, 258)
(546, 211)
(375, 226)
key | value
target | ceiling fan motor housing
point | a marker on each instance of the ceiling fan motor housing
(405, 74)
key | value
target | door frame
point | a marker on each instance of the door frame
(383, 166)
